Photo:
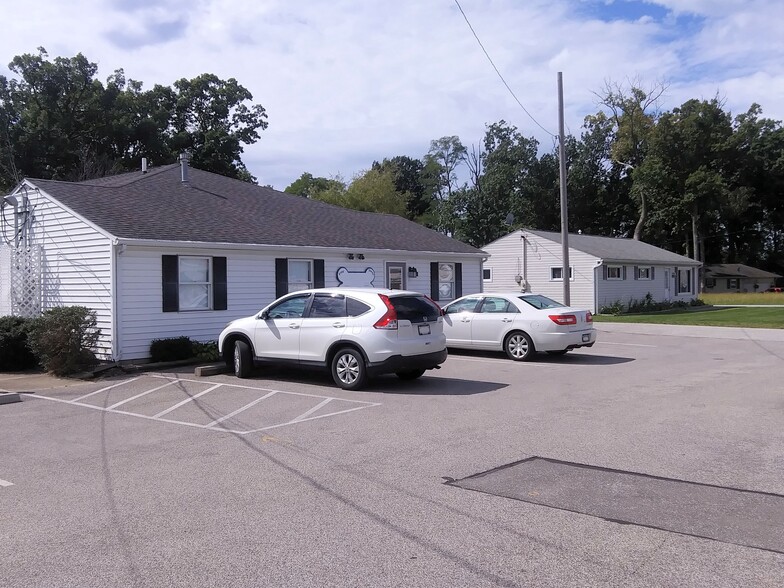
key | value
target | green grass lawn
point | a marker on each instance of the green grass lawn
(768, 318)
(747, 298)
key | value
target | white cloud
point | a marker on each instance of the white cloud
(348, 82)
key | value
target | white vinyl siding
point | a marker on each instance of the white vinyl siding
(506, 262)
(76, 264)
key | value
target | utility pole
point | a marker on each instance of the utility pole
(564, 212)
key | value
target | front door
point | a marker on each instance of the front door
(278, 334)
(667, 294)
(396, 275)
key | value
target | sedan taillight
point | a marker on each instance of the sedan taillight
(389, 320)
(563, 319)
(588, 317)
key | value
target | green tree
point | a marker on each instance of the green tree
(58, 121)
(309, 186)
(632, 113)
(370, 191)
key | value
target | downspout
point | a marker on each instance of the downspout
(115, 252)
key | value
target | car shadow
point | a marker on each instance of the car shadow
(573, 357)
(429, 384)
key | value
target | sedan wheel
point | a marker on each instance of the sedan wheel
(519, 346)
(348, 369)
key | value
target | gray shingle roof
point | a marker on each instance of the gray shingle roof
(216, 209)
(736, 270)
(612, 249)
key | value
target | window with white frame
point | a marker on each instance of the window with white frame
(487, 274)
(195, 283)
(684, 281)
(446, 280)
(300, 274)
(556, 274)
(644, 273)
(614, 272)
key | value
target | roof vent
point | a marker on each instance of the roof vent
(144, 165)
(184, 167)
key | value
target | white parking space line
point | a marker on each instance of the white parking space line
(239, 410)
(115, 405)
(104, 389)
(626, 344)
(306, 414)
(186, 401)
(5, 484)
(213, 426)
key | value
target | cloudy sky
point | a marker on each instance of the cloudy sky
(347, 82)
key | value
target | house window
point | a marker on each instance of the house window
(446, 281)
(644, 273)
(684, 281)
(300, 274)
(487, 274)
(193, 283)
(614, 272)
(733, 284)
(710, 282)
(556, 274)
(195, 289)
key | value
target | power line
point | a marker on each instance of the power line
(498, 72)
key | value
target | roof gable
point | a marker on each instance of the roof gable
(210, 208)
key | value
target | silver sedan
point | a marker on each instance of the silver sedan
(518, 323)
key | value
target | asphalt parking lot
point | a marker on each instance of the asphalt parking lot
(652, 459)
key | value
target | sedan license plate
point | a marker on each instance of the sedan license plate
(586, 337)
(424, 329)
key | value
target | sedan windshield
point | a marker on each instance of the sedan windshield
(540, 302)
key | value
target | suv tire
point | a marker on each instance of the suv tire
(243, 361)
(348, 369)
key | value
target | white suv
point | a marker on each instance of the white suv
(357, 333)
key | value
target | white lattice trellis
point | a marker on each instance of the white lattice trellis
(20, 281)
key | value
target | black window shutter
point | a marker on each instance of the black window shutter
(636, 271)
(281, 276)
(624, 273)
(171, 283)
(219, 289)
(604, 272)
(318, 273)
(458, 280)
(653, 273)
(434, 280)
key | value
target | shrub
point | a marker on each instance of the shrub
(171, 349)
(15, 352)
(63, 338)
(614, 308)
(206, 351)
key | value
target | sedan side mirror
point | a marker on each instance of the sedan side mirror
(264, 315)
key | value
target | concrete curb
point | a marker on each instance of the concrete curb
(210, 370)
(9, 397)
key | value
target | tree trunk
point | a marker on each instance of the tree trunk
(643, 216)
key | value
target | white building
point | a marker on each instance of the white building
(603, 270)
(175, 251)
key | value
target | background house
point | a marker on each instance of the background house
(736, 277)
(177, 251)
(604, 270)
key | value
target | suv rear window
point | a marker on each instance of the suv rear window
(416, 309)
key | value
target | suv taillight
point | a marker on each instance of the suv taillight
(389, 320)
(563, 319)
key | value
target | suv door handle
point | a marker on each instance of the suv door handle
(466, 320)
(506, 320)
(293, 326)
(338, 324)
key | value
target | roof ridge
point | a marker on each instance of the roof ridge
(144, 175)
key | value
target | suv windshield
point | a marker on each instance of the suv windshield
(540, 302)
(416, 309)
